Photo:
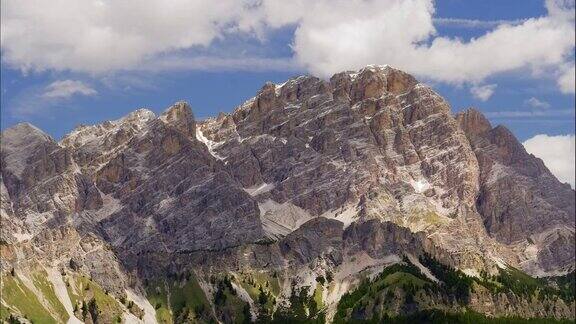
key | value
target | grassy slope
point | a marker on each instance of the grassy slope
(174, 299)
(22, 299)
(158, 297)
(85, 289)
(401, 278)
(41, 282)
(234, 305)
(253, 281)
(187, 296)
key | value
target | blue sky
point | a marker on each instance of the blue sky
(525, 99)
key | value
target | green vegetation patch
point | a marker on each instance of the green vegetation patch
(405, 276)
(158, 296)
(40, 280)
(566, 285)
(23, 301)
(91, 300)
(229, 307)
(454, 282)
(429, 217)
(262, 287)
(179, 299)
(318, 292)
(521, 284)
(435, 316)
(402, 279)
(301, 308)
(253, 281)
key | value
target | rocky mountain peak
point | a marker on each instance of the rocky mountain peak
(512, 153)
(473, 122)
(371, 82)
(139, 116)
(24, 132)
(181, 117)
(266, 88)
(108, 133)
(505, 148)
(19, 142)
(519, 199)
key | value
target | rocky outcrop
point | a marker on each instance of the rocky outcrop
(508, 305)
(382, 239)
(319, 237)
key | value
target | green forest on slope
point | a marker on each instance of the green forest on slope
(402, 294)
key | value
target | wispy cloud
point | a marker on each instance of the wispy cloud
(529, 113)
(475, 23)
(208, 63)
(63, 89)
(566, 80)
(536, 103)
(483, 93)
(41, 100)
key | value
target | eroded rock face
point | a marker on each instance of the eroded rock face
(309, 174)
(315, 238)
(166, 186)
(521, 202)
(373, 144)
(381, 239)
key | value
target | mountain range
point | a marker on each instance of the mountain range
(362, 198)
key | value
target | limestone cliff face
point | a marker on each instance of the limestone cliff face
(372, 144)
(42, 190)
(313, 174)
(522, 204)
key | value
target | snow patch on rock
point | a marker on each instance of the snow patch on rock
(211, 145)
(420, 185)
(260, 189)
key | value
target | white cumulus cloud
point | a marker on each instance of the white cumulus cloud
(104, 35)
(483, 93)
(329, 36)
(332, 38)
(68, 88)
(557, 152)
